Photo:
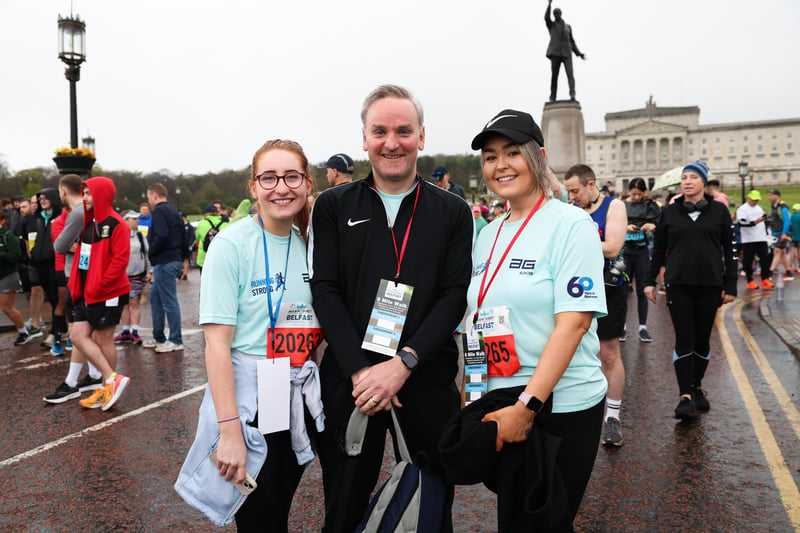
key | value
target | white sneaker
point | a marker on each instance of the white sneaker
(168, 346)
(150, 343)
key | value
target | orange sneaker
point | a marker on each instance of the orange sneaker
(95, 400)
(752, 285)
(766, 284)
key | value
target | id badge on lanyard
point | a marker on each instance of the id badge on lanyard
(501, 351)
(274, 375)
(388, 317)
(474, 384)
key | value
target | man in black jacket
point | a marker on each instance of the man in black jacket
(374, 241)
(42, 259)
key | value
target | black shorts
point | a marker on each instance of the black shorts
(61, 278)
(99, 315)
(611, 325)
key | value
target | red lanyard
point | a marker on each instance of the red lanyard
(481, 291)
(402, 252)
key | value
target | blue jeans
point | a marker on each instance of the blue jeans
(164, 301)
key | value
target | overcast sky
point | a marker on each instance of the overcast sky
(197, 86)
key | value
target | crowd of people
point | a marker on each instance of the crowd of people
(316, 306)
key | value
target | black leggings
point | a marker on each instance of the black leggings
(637, 261)
(267, 508)
(693, 309)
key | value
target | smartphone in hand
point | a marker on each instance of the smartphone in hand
(245, 487)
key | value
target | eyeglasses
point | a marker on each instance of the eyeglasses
(269, 181)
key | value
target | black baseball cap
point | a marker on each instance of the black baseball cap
(341, 162)
(516, 125)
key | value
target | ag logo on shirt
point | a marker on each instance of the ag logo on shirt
(581, 287)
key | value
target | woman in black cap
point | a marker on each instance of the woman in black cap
(536, 275)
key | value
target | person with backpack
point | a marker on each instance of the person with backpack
(139, 272)
(206, 230)
(778, 222)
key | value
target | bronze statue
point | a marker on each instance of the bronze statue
(560, 50)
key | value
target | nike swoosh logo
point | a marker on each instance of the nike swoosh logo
(351, 222)
(491, 122)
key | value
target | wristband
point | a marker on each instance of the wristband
(221, 420)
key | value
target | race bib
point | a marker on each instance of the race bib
(501, 350)
(297, 334)
(86, 253)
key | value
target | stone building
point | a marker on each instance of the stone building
(650, 141)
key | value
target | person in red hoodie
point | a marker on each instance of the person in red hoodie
(99, 287)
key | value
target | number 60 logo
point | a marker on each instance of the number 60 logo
(577, 286)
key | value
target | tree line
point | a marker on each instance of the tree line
(227, 186)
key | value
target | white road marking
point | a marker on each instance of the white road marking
(97, 427)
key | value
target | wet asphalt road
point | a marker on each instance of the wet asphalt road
(737, 468)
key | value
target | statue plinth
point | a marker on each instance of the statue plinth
(564, 139)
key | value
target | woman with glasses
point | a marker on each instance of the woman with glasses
(260, 331)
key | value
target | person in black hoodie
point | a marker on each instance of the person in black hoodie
(694, 242)
(42, 259)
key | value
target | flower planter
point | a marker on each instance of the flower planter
(74, 164)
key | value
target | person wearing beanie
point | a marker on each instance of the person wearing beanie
(694, 243)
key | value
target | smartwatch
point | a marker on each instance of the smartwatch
(408, 359)
(531, 402)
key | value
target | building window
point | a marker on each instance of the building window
(732, 139)
(703, 141)
(613, 157)
(759, 136)
(691, 141)
(760, 178)
(774, 136)
(704, 152)
(730, 150)
(691, 153)
(744, 138)
(760, 149)
(788, 147)
(601, 147)
(716, 140)
(614, 146)
(717, 152)
(589, 148)
(774, 177)
(744, 149)
(774, 147)
(789, 135)
(789, 176)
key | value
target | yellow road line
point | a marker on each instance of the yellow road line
(790, 495)
(784, 400)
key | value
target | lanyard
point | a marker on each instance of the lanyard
(399, 255)
(481, 291)
(273, 314)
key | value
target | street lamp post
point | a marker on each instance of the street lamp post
(72, 51)
(743, 172)
(178, 194)
(473, 186)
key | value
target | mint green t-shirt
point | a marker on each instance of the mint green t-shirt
(233, 286)
(556, 265)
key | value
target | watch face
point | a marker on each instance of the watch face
(408, 359)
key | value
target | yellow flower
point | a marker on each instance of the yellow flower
(81, 152)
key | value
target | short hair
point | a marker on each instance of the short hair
(390, 91)
(144, 204)
(584, 173)
(637, 183)
(713, 183)
(158, 189)
(71, 182)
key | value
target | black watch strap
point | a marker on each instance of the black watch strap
(408, 359)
